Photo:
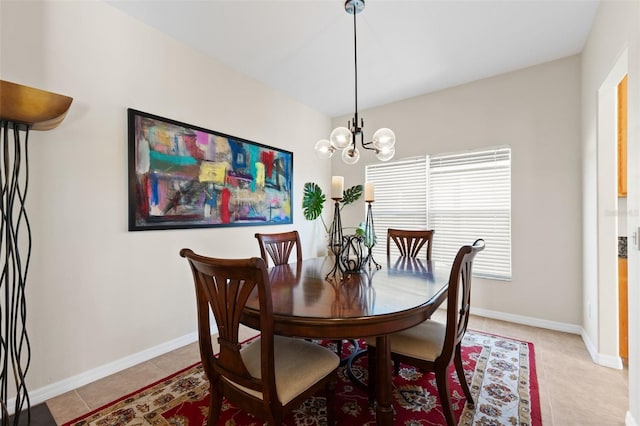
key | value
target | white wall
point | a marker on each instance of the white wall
(97, 293)
(537, 112)
(615, 36)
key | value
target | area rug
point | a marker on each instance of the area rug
(501, 372)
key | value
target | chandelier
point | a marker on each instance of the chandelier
(345, 138)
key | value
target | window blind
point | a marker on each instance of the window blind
(400, 198)
(470, 197)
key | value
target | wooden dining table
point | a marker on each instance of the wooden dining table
(371, 303)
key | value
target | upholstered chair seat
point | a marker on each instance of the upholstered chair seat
(424, 341)
(294, 373)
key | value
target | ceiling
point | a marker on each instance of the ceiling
(304, 48)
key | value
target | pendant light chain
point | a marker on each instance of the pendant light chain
(344, 138)
(355, 62)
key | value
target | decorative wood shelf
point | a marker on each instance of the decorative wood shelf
(36, 109)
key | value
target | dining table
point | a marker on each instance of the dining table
(309, 301)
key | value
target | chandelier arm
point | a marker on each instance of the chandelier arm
(365, 145)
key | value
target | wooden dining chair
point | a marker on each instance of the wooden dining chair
(279, 247)
(432, 345)
(270, 376)
(410, 242)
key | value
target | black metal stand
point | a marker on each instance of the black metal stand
(335, 238)
(23, 109)
(370, 238)
(355, 355)
(15, 246)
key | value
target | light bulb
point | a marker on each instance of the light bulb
(351, 155)
(384, 138)
(324, 149)
(341, 137)
(385, 154)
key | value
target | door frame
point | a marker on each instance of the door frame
(607, 240)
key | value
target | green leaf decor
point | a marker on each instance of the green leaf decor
(312, 201)
(351, 195)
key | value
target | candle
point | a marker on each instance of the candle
(337, 187)
(369, 191)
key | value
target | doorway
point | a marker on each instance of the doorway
(623, 304)
(612, 217)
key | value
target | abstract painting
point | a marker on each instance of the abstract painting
(184, 176)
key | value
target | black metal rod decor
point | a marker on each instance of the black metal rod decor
(335, 238)
(370, 238)
(22, 109)
(15, 237)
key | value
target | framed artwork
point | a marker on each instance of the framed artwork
(184, 176)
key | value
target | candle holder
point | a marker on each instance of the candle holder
(351, 254)
(335, 237)
(370, 238)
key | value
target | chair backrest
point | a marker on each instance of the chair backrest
(407, 264)
(279, 247)
(410, 242)
(224, 286)
(459, 297)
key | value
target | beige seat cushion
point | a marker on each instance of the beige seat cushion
(424, 341)
(299, 365)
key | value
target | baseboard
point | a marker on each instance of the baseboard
(629, 421)
(591, 348)
(598, 358)
(534, 322)
(45, 393)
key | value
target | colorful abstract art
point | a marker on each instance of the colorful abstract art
(183, 176)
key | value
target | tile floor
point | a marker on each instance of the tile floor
(573, 390)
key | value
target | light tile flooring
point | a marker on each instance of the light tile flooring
(573, 390)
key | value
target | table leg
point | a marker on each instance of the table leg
(384, 409)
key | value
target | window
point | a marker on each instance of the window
(459, 195)
(401, 198)
(470, 196)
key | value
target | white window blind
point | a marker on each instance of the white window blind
(400, 198)
(469, 198)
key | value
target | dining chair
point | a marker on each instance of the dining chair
(279, 247)
(410, 242)
(271, 375)
(432, 345)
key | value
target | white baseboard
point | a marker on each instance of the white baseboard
(600, 359)
(534, 322)
(47, 392)
(629, 421)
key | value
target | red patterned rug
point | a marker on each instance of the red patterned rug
(501, 372)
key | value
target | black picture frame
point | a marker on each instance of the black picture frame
(185, 176)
